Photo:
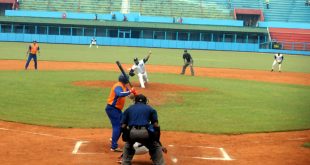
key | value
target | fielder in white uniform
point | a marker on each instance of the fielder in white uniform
(278, 59)
(139, 69)
(93, 42)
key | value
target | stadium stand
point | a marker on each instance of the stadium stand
(213, 9)
(250, 4)
(287, 11)
(291, 38)
(41, 5)
(87, 6)
(282, 13)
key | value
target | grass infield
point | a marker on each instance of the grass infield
(229, 106)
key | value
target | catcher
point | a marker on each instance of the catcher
(140, 124)
(278, 59)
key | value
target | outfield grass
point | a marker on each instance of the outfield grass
(202, 58)
(229, 106)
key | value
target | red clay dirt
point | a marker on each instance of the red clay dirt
(37, 145)
(255, 75)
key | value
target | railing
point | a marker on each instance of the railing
(298, 46)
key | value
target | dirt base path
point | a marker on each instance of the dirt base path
(265, 76)
(37, 145)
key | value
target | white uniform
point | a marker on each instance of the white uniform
(278, 59)
(140, 149)
(93, 42)
(141, 72)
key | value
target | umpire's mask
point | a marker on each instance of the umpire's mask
(140, 99)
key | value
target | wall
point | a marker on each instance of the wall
(119, 17)
(129, 42)
(142, 43)
(284, 25)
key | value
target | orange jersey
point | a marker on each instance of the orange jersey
(117, 95)
(34, 48)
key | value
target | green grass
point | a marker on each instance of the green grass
(229, 106)
(307, 145)
(202, 58)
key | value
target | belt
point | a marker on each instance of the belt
(137, 127)
(113, 107)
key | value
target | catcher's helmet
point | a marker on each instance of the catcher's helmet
(123, 79)
(140, 99)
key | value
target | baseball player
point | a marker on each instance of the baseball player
(278, 59)
(93, 42)
(139, 68)
(188, 61)
(32, 54)
(115, 104)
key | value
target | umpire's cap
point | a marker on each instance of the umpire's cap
(123, 79)
(140, 99)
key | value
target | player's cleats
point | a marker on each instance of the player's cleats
(116, 150)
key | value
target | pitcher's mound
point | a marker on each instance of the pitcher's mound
(157, 93)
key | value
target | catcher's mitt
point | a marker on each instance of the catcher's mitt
(131, 74)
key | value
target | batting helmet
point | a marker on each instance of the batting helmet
(140, 99)
(123, 79)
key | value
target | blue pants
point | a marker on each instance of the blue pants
(115, 116)
(34, 57)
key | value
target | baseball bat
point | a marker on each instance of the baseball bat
(123, 72)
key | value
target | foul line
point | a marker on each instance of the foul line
(37, 133)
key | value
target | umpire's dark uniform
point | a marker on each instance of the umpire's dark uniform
(140, 124)
(188, 61)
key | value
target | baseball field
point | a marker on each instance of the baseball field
(234, 110)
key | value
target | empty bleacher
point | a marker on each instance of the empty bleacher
(214, 9)
(280, 10)
(249, 4)
(289, 36)
(287, 11)
(87, 6)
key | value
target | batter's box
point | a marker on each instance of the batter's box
(85, 147)
(200, 152)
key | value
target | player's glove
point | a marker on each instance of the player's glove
(131, 72)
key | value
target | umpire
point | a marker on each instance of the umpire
(140, 124)
(188, 61)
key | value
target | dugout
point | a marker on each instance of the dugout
(143, 34)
